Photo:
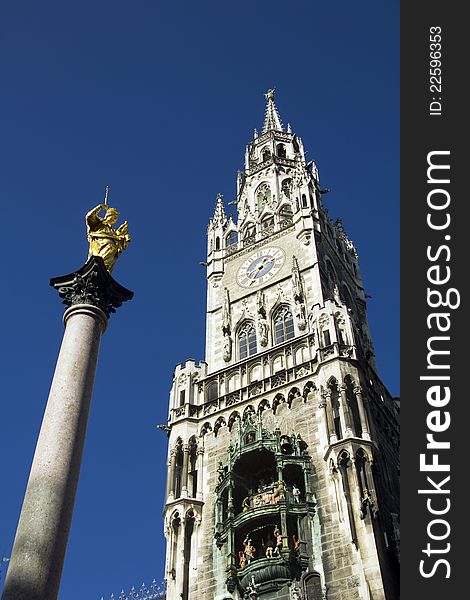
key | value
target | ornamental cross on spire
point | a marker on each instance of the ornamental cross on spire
(272, 120)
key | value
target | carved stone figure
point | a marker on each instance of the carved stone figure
(263, 329)
(104, 240)
(227, 348)
(226, 315)
(221, 472)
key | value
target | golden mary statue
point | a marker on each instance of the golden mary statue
(104, 240)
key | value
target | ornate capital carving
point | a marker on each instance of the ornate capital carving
(92, 284)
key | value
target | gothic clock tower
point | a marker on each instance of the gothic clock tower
(283, 444)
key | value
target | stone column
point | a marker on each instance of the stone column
(344, 410)
(171, 474)
(329, 417)
(323, 407)
(41, 537)
(184, 472)
(200, 459)
(362, 413)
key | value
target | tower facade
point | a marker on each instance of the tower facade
(283, 444)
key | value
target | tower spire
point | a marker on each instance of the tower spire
(272, 120)
(219, 214)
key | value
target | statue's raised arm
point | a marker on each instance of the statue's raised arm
(104, 240)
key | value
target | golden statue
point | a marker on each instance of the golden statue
(104, 240)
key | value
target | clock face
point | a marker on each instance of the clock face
(260, 267)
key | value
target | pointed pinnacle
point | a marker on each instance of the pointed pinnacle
(219, 213)
(272, 120)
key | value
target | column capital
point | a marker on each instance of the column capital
(357, 390)
(91, 285)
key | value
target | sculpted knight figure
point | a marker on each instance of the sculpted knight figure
(104, 240)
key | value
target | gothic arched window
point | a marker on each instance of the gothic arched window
(249, 231)
(283, 325)
(281, 151)
(247, 340)
(266, 154)
(232, 238)
(263, 196)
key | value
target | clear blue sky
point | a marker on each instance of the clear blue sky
(158, 100)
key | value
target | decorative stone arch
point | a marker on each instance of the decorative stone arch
(263, 405)
(249, 410)
(267, 219)
(309, 388)
(234, 417)
(285, 211)
(205, 429)
(249, 229)
(294, 393)
(278, 399)
(218, 424)
(174, 528)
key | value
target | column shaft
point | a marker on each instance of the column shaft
(330, 422)
(41, 537)
(184, 473)
(362, 413)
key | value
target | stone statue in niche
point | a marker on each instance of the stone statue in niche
(298, 295)
(221, 472)
(263, 327)
(227, 347)
(226, 327)
(263, 330)
(336, 296)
